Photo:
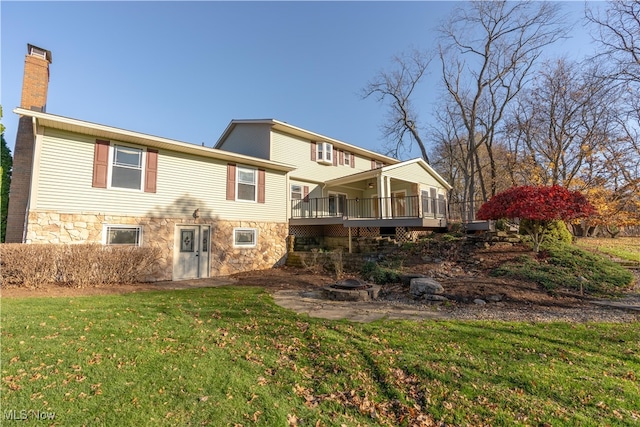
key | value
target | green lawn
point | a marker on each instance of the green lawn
(625, 248)
(230, 356)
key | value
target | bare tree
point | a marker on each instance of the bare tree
(618, 34)
(617, 31)
(449, 150)
(563, 124)
(487, 51)
(396, 87)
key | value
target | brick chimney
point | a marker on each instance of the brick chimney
(35, 85)
(36, 78)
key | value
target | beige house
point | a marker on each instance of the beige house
(340, 190)
(211, 211)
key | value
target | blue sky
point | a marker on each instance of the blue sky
(183, 70)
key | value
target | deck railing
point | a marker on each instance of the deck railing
(464, 211)
(369, 208)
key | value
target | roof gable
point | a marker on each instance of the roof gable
(389, 169)
(288, 129)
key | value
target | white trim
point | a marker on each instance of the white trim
(255, 183)
(105, 233)
(255, 237)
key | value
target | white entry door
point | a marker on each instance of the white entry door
(191, 252)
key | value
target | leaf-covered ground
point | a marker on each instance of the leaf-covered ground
(230, 356)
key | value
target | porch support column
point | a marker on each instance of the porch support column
(382, 190)
(349, 239)
(387, 192)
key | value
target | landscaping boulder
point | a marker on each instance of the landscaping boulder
(406, 278)
(421, 286)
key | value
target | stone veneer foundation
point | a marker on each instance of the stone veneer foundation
(271, 250)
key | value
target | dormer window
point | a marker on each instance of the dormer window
(324, 153)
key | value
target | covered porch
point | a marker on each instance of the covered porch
(407, 194)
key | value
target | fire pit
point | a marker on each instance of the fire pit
(351, 290)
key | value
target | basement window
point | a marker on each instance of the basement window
(245, 237)
(123, 235)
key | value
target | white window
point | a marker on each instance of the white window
(347, 159)
(247, 187)
(325, 152)
(245, 237)
(126, 167)
(126, 235)
(296, 192)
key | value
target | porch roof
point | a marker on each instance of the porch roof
(389, 171)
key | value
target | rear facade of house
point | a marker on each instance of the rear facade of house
(211, 211)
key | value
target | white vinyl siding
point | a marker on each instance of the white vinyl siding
(295, 151)
(185, 182)
(415, 173)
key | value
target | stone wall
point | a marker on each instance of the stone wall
(270, 251)
(271, 248)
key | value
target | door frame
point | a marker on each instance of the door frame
(340, 198)
(395, 197)
(202, 247)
